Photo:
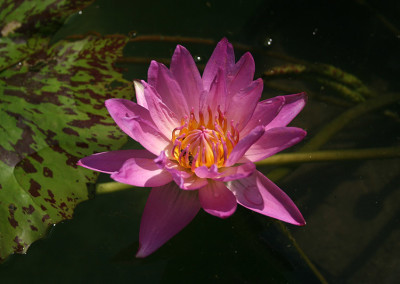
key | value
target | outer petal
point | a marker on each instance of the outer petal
(139, 92)
(217, 199)
(261, 195)
(243, 145)
(222, 57)
(188, 77)
(264, 113)
(169, 90)
(110, 162)
(247, 97)
(168, 210)
(273, 141)
(135, 121)
(142, 172)
(242, 74)
(165, 119)
(293, 105)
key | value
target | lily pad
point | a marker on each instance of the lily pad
(26, 26)
(52, 113)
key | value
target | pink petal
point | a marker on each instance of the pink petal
(168, 210)
(135, 121)
(204, 172)
(247, 97)
(226, 174)
(165, 119)
(264, 113)
(110, 162)
(169, 90)
(142, 172)
(293, 105)
(223, 57)
(242, 74)
(139, 92)
(183, 177)
(217, 95)
(243, 145)
(261, 195)
(188, 77)
(273, 141)
(217, 199)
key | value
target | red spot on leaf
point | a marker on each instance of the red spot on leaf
(113, 136)
(47, 172)
(11, 210)
(70, 131)
(28, 210)
(45, 217)
(94, 119)
(51, 195)
(27, 166)
(19, 248)
(37, 157)
(69, 111)
(33, 228)
(72, 160)
(93, 139)
(29, 95)
(34, 188)
(43, 208)
(64, 215)
(23, 145)
(82, 145)
(37, 111)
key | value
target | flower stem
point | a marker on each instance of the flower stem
(332, 155)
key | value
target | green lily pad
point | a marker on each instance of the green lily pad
(52, 114)
(26, 26)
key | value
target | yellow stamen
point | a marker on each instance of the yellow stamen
(197, 143)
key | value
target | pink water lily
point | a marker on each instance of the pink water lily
(202, 135)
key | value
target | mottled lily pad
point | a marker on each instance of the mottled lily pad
(52, 113)
(26, 26)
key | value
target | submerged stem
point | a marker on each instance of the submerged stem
(335, 126)
(342, 120)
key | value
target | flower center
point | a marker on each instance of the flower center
(197, 143)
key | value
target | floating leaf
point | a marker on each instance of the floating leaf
(26, 26)
(52, 113)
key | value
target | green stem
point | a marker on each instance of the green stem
(331, 155)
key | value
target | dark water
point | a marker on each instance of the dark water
(351, 207)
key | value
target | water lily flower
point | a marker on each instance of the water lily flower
(202, 135)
